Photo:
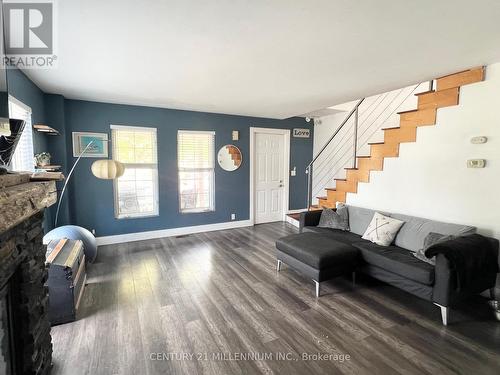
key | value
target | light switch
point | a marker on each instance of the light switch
(293, 172)
(478, 140)
(476, 163)
(236, 135)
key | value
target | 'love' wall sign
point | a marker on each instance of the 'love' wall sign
(301, 133)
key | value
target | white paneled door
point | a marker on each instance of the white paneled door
(269, 177)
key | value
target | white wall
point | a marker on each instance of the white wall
(376, 112)
(430, 178)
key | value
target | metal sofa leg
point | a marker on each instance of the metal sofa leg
(445, 313)
(317, 287)
(278, 265)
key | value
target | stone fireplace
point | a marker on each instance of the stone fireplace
(26, 346)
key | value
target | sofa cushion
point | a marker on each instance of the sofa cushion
(412, 234)
(335, 234)
(316, 250)
(334, 219)
(360, 218)
(396, 260)
(382, 229)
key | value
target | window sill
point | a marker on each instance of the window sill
(136, 216)
(195, 211)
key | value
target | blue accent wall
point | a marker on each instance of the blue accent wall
(91, 200)
(57, 147)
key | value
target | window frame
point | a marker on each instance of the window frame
(153, 166)
(28, 127)
(212, 169)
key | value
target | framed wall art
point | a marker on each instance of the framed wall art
(98, 148)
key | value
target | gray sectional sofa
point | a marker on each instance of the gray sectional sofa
(323, 253)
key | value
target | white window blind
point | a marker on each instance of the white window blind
(136, 192)
(195, 158)
(22, 160)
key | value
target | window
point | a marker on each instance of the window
(136, 192)
(195, 158)
(22, 160)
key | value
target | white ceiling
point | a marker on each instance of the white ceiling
(265, 58)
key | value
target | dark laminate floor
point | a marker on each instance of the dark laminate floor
(219, 293)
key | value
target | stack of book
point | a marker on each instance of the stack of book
(41, 175)
(48, 168)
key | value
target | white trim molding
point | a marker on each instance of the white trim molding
(294, 222)
(286, 191)
(140, 236)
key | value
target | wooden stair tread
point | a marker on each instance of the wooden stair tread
(392, 128)
(331, 189)
(376, 143)
(425, 92)
(340, 179)
(351, 169)
(364, 156)
(461, 72)
(409, 111)
(462, 78)
(325, 198)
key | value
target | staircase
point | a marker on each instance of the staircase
(446, 94)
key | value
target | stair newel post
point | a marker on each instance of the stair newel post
(309, 185)
(356, 118)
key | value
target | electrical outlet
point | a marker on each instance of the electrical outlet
(233, 216)
(293, 172)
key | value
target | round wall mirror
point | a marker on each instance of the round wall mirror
(229, 157)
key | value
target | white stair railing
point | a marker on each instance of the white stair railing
(362, 125)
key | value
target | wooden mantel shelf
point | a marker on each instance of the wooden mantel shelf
(21, 199)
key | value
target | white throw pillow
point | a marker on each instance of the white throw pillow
(382, 229)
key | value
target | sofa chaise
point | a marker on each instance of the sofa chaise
(324, 253)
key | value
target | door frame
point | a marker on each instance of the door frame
(286, 166)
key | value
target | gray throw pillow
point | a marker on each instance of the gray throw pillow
(334, 219)
(431, 239)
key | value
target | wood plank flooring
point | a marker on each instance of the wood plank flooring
(193, 304)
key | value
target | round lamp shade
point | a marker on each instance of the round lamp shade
(107, 169)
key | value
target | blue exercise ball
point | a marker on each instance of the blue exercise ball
(74, 232)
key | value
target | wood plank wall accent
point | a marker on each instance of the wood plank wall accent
(446, 94)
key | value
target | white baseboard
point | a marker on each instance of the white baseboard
(138, 236)
(297, 211)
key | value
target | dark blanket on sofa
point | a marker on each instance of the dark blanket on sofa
(470, 256)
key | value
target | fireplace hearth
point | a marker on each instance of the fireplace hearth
(26, 346)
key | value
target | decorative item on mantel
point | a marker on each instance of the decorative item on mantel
(8, 143)
(42, 159)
